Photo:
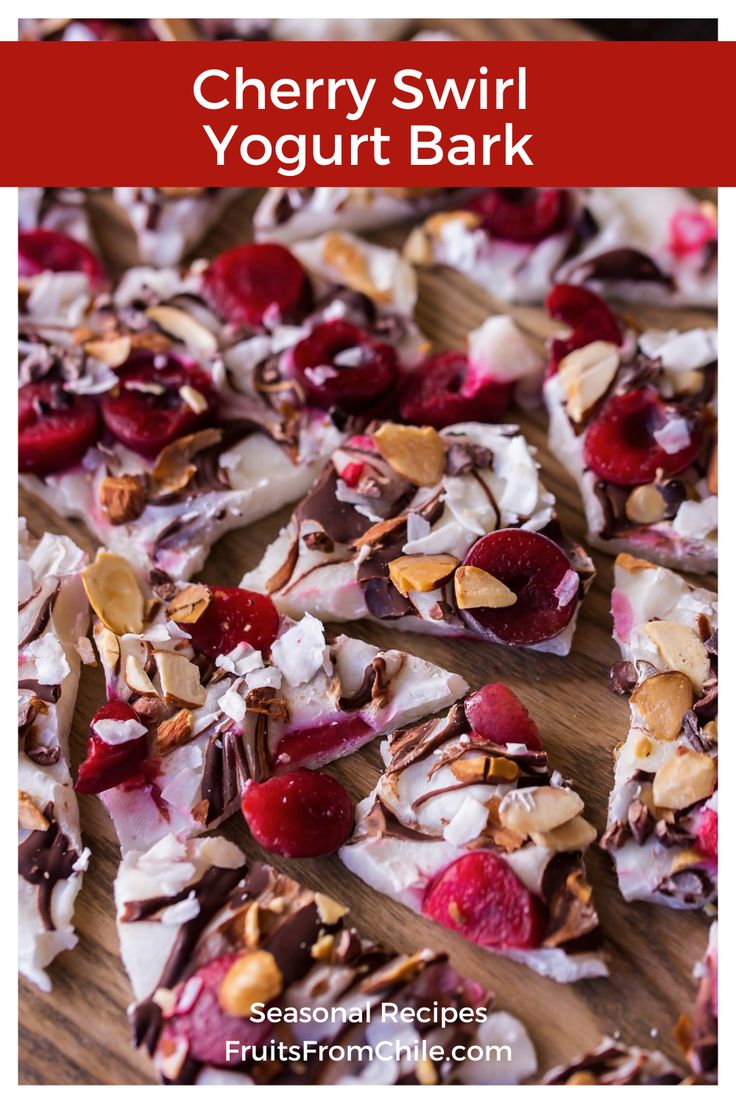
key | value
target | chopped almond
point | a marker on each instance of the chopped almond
(29, 814)
(586, 374)
(538, 808)
(136, 677)
(180, 679)
(328, 909)
(414, 452)
(121, 498)
(687, 777)
(476, 588)
(421, 573)
(662, 700)
(189, 604)
(681, 648)
(173, 732)
(645, 505)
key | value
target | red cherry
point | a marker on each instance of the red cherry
(234, 616)
(299, 814)
(147, 422)
(479, 896)
(47, 251)
(199, 1017)
(620, 445)
(691, 231)
(55, 427)
(707, 833)
(496, 715)
(442, 391)
(108, 765)
(252, 285)
(521, 214)
(339, 364)
(587, 316)
(534, 567)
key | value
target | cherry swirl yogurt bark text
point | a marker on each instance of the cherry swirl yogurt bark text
(206, 938)
(450, 532)
(663, 811)
(633, 417)
(469, 826)
(53, 618)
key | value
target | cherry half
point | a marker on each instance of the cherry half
(524, 215)
(533, 567)
(587, 316)
(443, 391)
(496, 716)
(339, 364)
(479, 896)
(108, 765)
(299, 814)
(147, 420)
(258, 284)
(46, 251)
(55, 427)
(234, 616)
(620, 446)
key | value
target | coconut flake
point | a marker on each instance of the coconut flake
(467, 823)
(567, 588)
(52, 666)
(181, 912)
(696, 520)
(301, 651)
(673, 436)
(498, 350)
(263, 676)
(233, 705)
(118, 732)
(240, 660)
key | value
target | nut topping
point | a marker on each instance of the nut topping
(586, 374)
(173, 732)
(422, 573)
(328, 909)
(475, 588)
(29, 814)
(687, 777)
(184, 327)
(252, 979)
(252, 925)
(351, 263)
(538, 809)
(136, 677)
(485, 768)
(174, 467)
(662, 700)
(416, 453)
(576, 835)
(114, 593)
(108, 646)
(681, 648)
(121, 498)
(112, 351)
(322, 949)
(189, 604)
(632, 565)
(645, 505)
(180, 679)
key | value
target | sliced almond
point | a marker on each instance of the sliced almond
(350, 261)
(681, 648)
(632, 565)
(418, 247)
(576, 835)
(436, 224)
(185, 328)
(645, 505)
(108, 646)
(328, 909)
(112, 351)
(687, 777)
(401, 969)
(414, 452)
(121, 498)
(173, 732)
(189, 604)
(174, 468)
(476, 588)
(180, 679)
(662, 700)
(538, 808)
(136, 677)
(322, 948)
(29, 814)
(114, 593)
(422, 573)
(713, 471)
(194, 399)
(586, 374)
(485, 768)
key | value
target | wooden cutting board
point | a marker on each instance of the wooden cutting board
(78, 1034)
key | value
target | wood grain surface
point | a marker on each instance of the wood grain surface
(78, 1034)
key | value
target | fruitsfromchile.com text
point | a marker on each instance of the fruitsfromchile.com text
(387, 1050)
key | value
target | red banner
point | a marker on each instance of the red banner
(349, 113)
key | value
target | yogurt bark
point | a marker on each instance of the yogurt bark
(469, 826)
(209, 687)
(663, 811)
(633, 417)
(53, 618)
(448, 532)
(206, 936)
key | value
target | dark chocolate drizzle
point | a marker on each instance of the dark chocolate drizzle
(45, 858)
